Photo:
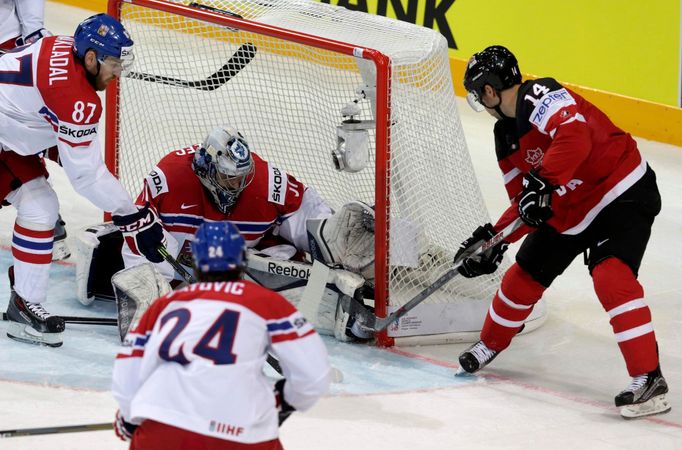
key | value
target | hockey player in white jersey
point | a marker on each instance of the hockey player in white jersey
(190, 372)
(48, 98)
(21, 23)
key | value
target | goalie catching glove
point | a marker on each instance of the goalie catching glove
(143, 232)
(485, 263)
(346, 239)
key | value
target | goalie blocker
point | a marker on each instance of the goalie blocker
(100, 274)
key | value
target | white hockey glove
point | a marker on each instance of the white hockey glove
(346, 238)
(32, 37)
(124, 430)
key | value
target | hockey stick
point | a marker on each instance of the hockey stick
(190, 279)
(82, 320)
(53, 430)
(240, 59)
(163, 251)
(382, 324)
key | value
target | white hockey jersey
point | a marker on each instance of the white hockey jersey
(45, 101)
(195, 361)
(20, 17)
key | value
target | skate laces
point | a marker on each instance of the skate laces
(38, 310)
(637, 383)
(482, 353)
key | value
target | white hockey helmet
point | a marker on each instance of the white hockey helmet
(224, 166)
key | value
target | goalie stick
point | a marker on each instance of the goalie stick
(54, 430)
(83, 320)
(175, 264)
(240, 59)
(381, 324)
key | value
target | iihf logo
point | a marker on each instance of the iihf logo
(534, 156)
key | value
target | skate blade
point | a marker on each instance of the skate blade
(463, 373)
(653, 406)
(60, 251)
(24, 333)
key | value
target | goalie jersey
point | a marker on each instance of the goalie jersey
(195, 361)
(574, 146)
(273, 203)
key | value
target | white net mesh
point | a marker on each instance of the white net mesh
(287, 102)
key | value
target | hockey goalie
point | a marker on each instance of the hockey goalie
(319, 259)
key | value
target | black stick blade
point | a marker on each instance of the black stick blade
(240, 59)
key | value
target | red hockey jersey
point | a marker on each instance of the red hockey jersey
(573, 145)
(274, 201)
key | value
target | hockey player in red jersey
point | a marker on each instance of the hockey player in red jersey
(48, 98)
(281, 218)
(581, 186)
(190, 372)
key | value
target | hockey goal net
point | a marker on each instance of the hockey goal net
(281, 71)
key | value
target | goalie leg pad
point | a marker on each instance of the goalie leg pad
(98, 257)
(289, 278)
(135, 289)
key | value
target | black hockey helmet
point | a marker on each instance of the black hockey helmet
(496, 66)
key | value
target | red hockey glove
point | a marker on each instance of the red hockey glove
(535, 203)
(124, 430)
(474, 265)
(143, 232)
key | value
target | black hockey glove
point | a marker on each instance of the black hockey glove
(124, 430)
(283, 408)
(144, 228)
(535, 203)
(474, 265)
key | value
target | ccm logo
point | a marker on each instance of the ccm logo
(294, 272)
(63, 129)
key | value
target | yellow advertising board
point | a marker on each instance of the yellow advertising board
(626, 47)
(597, 47)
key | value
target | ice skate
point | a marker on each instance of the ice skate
(475, 358)
(645, 396)
(30, 323)
(60, 250)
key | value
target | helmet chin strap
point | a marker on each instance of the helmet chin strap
(497, 108)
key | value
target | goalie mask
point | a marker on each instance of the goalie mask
(224, 166)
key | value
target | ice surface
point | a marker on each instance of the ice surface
(552, 389)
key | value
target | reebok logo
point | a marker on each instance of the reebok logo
(288, 271)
